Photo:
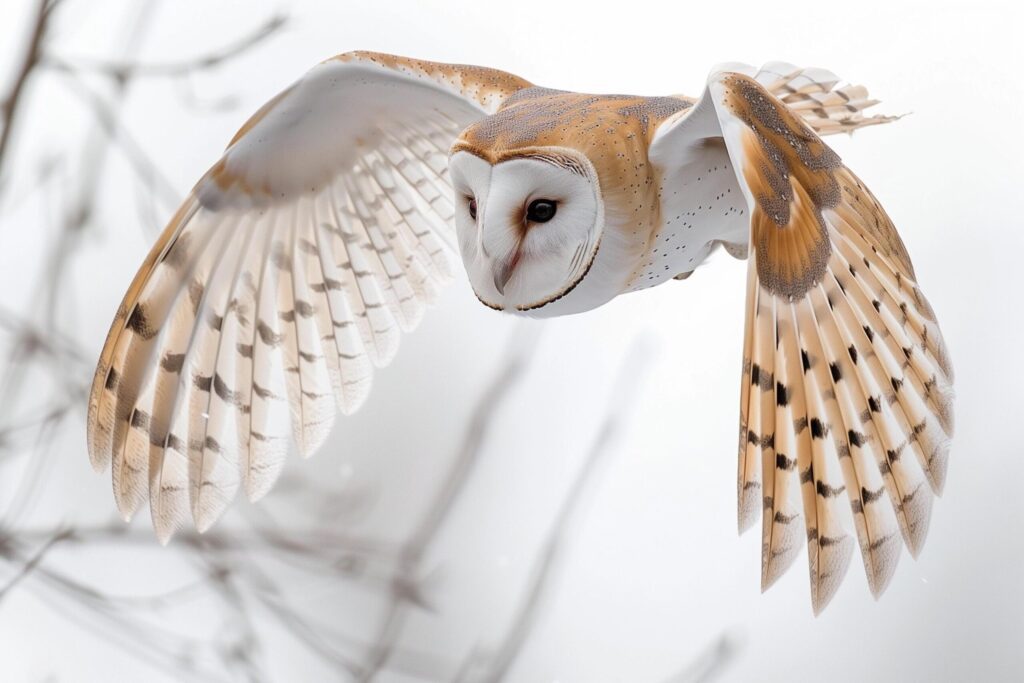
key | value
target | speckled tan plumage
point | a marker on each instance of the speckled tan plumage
(325, 230)
(489, 88)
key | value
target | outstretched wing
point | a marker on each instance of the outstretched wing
(847, 388)
(282, 281)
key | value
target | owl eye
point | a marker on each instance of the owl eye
(541, 210)
(472, 209)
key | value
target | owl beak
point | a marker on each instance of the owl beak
(503, 270)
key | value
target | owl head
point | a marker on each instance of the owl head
(529, 225)
(552, 218)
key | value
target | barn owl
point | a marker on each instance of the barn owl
(325, 229)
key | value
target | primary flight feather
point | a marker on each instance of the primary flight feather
(327, 226)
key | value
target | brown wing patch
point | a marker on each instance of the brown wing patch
(795, 177)
(792, 175)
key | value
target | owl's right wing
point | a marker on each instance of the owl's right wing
(282, 280)
(847, 388)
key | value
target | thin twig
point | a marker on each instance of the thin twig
(31, 563)
(487, 408)
(127, 69)
(712, 661)
(33, 51)
(548, 560)
(140, 161)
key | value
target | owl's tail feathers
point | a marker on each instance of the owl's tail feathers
(817, 96)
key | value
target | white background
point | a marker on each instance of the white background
(652, 570)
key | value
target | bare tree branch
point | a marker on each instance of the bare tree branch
(127, 69)
(30, 60)
(31, 563)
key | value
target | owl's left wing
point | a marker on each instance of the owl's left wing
(287, 274)
(847, 387)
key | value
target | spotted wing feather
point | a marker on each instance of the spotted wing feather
(846, 394)
(846, 383)
(286, 277)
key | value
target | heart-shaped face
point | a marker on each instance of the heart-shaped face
(529, 226)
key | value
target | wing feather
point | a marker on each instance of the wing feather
(748, 481)
(174, 378)
(323, 314)
(884, 427)
(270, 421)
(829, 548)
(353, 364)
(286, 276)
(213, 432)
(136, 395)
(783, 508)
(305, 370)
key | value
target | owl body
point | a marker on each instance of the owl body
(327, 228)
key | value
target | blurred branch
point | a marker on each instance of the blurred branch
(318, 543)
(80, 209)
(115, 129)
(33, 51)
(54, 344)
(712, 661)
(49, 299)
(548, 559)
(123, 70)
(31, 563)
(411, 556)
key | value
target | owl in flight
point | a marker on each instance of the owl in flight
(327, 227)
